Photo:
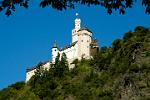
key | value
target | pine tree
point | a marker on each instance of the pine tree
(64, 64)
(61, 65)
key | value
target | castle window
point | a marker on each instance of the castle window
(81, 40)
(87, 40)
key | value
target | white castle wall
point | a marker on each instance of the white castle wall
(71, 53)
(84, 41)
(79, 50)
(82, 38)
(30, 73)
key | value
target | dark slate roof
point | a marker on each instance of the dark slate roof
(40, 64)
(95, 40)
(68, 46)
(84, 28)
(54, 45)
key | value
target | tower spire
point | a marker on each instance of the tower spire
(77, 14)
(77, 22)
(55, 44)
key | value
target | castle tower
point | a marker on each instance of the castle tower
(55, 51)
(82, 46)
(77, 26)
(83, 36)
(77, 22)
(84, 41)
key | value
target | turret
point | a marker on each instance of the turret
(77, 22)
(55, 51)
(77, 26)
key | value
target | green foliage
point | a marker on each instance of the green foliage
(119, 72)
(128, 35)
(17, 91)
(134, 68)
(103, 49)
(147, 53)
(46, 83)
(117, 44)
(18, 85)
(109, 5)
(142, 30)
(75, 61)
(61, 66)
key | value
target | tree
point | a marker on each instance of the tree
(45, 82)
(117, 44)
(61, 65)
(103, 49)
(17, 91)
(110, 5)
(109, 75)
(128, 35)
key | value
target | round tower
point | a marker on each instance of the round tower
(84, 41)
(55, 51)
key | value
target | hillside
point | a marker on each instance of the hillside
(118, 72)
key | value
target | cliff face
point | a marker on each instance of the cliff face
(119, 72)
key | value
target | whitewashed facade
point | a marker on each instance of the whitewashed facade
(78, 49)
(30, 72)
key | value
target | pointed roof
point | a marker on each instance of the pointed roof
(55, 45)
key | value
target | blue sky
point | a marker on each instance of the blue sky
(27, 36)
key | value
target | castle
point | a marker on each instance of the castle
(82, 46)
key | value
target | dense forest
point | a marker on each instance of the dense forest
(118, 72)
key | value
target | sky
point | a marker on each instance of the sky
(26, 37)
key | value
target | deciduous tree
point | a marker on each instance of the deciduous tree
(110, 5)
